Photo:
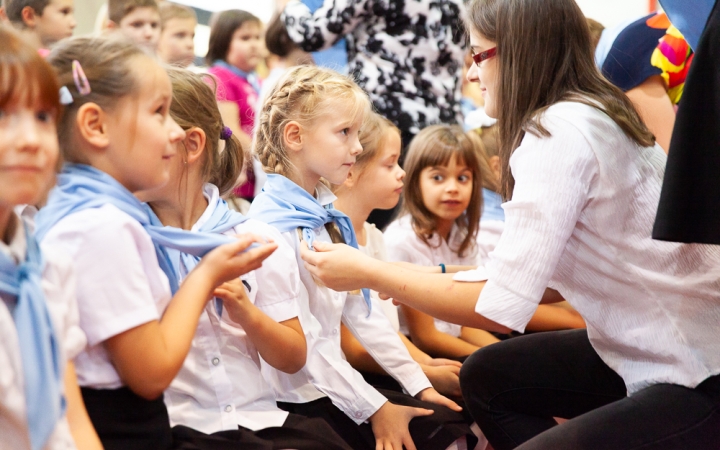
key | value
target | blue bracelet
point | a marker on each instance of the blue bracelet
(442, 267)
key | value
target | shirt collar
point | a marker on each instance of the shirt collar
(211, 194)
(324, 195)
(18, 243)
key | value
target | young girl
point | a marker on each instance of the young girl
(233, 54)
(260, 314)
(308, 131)
(375, 182)
(116, 137)
(39, 330)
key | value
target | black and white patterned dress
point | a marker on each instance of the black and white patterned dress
(406, 54)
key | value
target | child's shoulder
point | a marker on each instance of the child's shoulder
(400, 230)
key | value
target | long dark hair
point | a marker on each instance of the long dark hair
(222, 28)
(545, 57)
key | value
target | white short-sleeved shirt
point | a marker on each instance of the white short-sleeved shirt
(58, 284)
(580, 221)
(403, 244)
(375, 247)
(120, 284)
(220, 385)
(326, 372)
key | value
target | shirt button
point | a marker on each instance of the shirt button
(334, 331)
(358, 414)
(216, 361)
(228, 408)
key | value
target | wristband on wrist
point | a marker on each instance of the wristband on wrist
(442, 267)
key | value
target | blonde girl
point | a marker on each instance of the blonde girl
(117, 139)
(376, 182)
(259, 314)
(309, 131)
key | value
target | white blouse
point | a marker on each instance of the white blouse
(120, 284)
(220, 385)
(326, 372)
(403, 244)
(58, 284)
(375, 247)
(580, 221)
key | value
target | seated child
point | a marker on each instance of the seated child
(438, 226)
(376, 181)
(219, 395)
(44, 22)
(308, 131)
(117, 139)
(137, 20)
(176, 45)
(39, 327)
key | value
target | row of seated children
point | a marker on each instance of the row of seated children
(142, 289)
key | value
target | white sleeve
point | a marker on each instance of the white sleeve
(553, 177)
(321, 29)
(402, 246)
(113, 291)
(382, 342)
(278, 282)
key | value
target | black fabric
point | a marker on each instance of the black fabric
(124, 420)
(379, 381)
(434, 432)
(689, 209)
(297, 432)
(514, 389)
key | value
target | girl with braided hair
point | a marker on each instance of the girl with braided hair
(308, 135)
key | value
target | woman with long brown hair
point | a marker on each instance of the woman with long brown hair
(582, 177)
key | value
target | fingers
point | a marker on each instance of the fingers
(419, 412)
(309, 256)
(444, 401)
(384, 297)
(445, 362)
(222, 294)
(257, 255)
(454, 369)
(408, 442)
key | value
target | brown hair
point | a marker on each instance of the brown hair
(277, 39)
(106, 63)
(223, 26)
(435, 146)
(489, 180)
(596, 29)
(530, 80)
(194, 105)
(301, 95)
(13, 9)
(118, 9)
(25, 77)
(169, 11)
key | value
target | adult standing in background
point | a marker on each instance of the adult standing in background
(407, 56)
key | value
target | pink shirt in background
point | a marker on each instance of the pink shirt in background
(234, 88)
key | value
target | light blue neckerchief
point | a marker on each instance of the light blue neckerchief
(251, 77)
(39, 346)
(492, 209)
(83, 187)
(221, 220)
(286, 206)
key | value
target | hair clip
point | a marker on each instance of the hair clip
(66, 97)
(81, 82)
(226, 133)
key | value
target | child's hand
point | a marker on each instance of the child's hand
(445, 379)
(235, 299)
(230, 261)
(390, 426)
(443, 362)
(432, 396)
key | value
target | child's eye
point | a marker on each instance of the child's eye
(464, 178)
(438, 178)
(345, 131)
(44, 116)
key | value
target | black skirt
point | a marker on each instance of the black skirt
(297, 432)
(124, 420)
(433, 432)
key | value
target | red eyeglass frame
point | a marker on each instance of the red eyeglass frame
(482, 56)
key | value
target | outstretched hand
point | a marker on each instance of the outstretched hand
(433, 396)
(339, 266)
(230, 261)
(390, 426)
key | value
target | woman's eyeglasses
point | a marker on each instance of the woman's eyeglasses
(482, 56)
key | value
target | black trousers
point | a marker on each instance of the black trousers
(515, 388)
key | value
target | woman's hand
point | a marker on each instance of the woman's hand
(230, 261)
(338, 266)
(390, 426)
(432, 396)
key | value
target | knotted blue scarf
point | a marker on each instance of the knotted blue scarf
(286, 206)
(222, 219)
(82, 187)
(39, 346)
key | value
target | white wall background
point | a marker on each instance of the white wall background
(613, 12)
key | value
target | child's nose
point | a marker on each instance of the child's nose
(28, 136)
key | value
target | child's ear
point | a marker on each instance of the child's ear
(28, 16)
(110, 25)
(495, 165)
(292, 136)
(3, 15)
(92, 126)
(195, 140)
(351, 178)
